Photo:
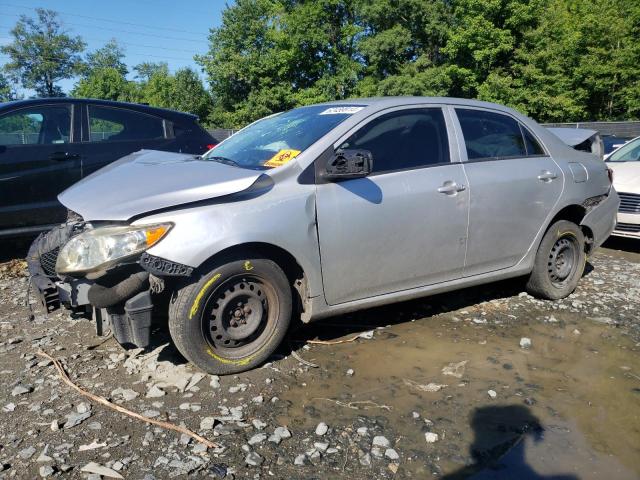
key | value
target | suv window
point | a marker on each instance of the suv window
(489, 135)
(113, 124)
(404, 139)
(47, 124)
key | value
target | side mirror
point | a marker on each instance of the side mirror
(346, 164)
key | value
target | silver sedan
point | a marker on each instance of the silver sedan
(319, 211)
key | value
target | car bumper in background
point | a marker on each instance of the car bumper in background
(628, 225)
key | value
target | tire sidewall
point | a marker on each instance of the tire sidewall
(558, 230)
(189, 317)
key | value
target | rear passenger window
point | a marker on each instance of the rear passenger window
(489, 135)
(115, 124)
(533, 147)
(404, 139)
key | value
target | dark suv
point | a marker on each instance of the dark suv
(46, 145)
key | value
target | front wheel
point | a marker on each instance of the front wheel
(559, 263)
(233, 317)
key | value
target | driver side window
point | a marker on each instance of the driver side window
(45, 125)
(404, 139)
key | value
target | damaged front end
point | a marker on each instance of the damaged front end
(102, 272)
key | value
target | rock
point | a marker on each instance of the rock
(254, 459)
(492, 393)
(55, 425)
(74, 419)
(257, 438)
(155, 392)
(391, 454)
(151, 413)
(362, 431)
(27, 453)
(279, 434)
(380, 441)
(259, 399)
(321, 429)
(455, 369)
(364, 459)
(83, 407)
(91, 446)
(43, 457)
(415, 415)
(299, 460)
(215, 381)
(350, 372)
(258, 424)
(20, 390)
(9, 407)
(46, 471)
(195, 379)
(241, 387)
(93, 467)
(366, 335)
(525, 342)
(576, 331)
(321, 446)
(207, 423)
(431, 437)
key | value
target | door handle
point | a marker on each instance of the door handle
(450, 188)
(547, 176)
(60, 156)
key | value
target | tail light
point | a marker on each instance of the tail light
(211, 145)
(610, 175)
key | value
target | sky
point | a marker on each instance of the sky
(149, 30)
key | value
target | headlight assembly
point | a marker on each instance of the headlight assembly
(104, 246)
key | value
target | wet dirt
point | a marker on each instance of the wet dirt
(567, 407)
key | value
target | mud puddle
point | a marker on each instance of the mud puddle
(567, 407)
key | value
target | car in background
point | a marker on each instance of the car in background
(625, 163)
(612, 143)
(47, 145)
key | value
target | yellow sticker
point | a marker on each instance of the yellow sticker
(281, 158)
(248, 266)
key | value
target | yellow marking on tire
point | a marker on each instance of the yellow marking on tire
(227, 361)
(196, 302)
(248, 266)
(566, 233)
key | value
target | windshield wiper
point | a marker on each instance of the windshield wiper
(225, 160)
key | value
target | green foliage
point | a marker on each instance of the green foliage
(109, 56)
(553, 59)
(42, 53)
(106, 83)
(7, 92)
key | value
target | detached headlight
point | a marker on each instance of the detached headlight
(105, 246)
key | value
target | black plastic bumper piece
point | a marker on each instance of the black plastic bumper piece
(133, 327)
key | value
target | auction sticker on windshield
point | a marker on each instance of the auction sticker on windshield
(341, 110)
(281, 158)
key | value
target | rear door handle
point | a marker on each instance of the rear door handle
(547, 176)
(60, 156)
(450, 188)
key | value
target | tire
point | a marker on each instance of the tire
(559, 262)
(233, 317)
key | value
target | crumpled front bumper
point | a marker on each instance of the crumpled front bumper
(115, 302)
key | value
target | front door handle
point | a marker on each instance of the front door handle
(547, 176)
(60, 156)
(451, 188)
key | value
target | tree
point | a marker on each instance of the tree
(183, 91)
(106, 83)
(109, 56)
(145, 70)
(42, 53)
(7, 93)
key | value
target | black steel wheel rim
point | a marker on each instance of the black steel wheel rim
(238, 312)
(563, 260)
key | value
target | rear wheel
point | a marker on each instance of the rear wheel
(234, 317)
(559, 263)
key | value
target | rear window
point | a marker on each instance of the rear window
(114, 124)
(490, 136)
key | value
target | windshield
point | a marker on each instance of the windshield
(278, 139)
(629, 152)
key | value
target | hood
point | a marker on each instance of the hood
(150, 180)
(626, 176)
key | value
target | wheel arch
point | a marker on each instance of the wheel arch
(575, 214)
(290, 265)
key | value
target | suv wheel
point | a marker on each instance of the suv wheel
(234, 317)
(559, 263)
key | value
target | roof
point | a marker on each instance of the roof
(161, 112)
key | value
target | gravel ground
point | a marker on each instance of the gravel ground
(47, 430)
